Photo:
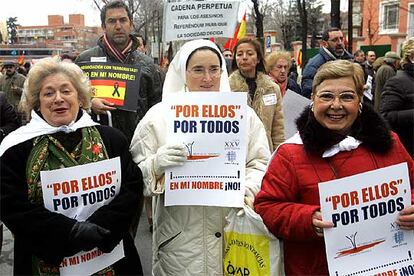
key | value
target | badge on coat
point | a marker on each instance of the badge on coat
(98, 59)
(270, 99)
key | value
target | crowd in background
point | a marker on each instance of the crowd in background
(361, 112)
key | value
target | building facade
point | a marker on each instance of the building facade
(387, 22)
(73, 35)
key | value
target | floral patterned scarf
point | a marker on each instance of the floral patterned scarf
(49, 154)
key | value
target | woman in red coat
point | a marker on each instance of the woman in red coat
(338, 137)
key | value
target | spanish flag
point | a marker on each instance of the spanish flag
(299, 58)
(110, 90)
(239, 33)
(20, 61)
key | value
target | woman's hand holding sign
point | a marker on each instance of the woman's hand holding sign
(87, 235)
(406, 218)
(169, 156)
(319, 224)
(100, 106)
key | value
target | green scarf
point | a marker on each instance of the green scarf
(49, 154)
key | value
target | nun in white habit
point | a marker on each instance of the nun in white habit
(188, 240)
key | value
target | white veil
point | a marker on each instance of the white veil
(175, 80)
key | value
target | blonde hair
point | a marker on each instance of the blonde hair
(272, 59)
(340, 69)
(51, 66)
(408, 51)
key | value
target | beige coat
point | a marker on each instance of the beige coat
(267, 103)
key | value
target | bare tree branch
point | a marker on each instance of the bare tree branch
(97, 5)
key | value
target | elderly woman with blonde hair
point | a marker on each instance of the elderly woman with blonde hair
(277, 66)
(338, 136)
(397, 98)
(61, 134)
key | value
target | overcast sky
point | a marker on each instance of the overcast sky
(31, 12)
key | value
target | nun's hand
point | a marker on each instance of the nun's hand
(169, 156)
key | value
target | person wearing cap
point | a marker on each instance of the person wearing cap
(397, 98)
(11, 83)
(387, 70)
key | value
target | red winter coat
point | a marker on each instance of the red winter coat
(289, 196)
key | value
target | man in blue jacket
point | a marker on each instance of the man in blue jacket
(332, 48)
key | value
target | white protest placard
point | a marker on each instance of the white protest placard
(366, 239)
(368, 90)
(293, 105)
(77, 192)
(186, 20)
(212, 126)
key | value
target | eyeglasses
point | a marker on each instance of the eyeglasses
(344, 97)
(200, 72)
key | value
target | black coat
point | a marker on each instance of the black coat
(45, 234)
(9, 120)
(397, 107)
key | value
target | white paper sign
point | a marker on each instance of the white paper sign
(293, 105)
(368, 91)
(187, 20)
(270, 99)
(364, 207)
(77, 192)
(212, 126)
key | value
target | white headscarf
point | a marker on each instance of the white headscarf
(175, 80)
(38, 126)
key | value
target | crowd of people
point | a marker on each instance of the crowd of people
(361, 118)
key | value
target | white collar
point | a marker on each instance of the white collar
(347, 144)
(37, 127)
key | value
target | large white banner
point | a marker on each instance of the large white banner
(187, 20)
(366, 239)
(212, 126)
(77, 192)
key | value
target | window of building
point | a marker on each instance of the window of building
(389, 16)
(410, 29)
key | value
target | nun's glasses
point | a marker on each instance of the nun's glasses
(199, 72)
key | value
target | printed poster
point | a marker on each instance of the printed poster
(212, 127)
(77, 192)
(365, 239)
(115, 82)
(368, 91)
(188, 20)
